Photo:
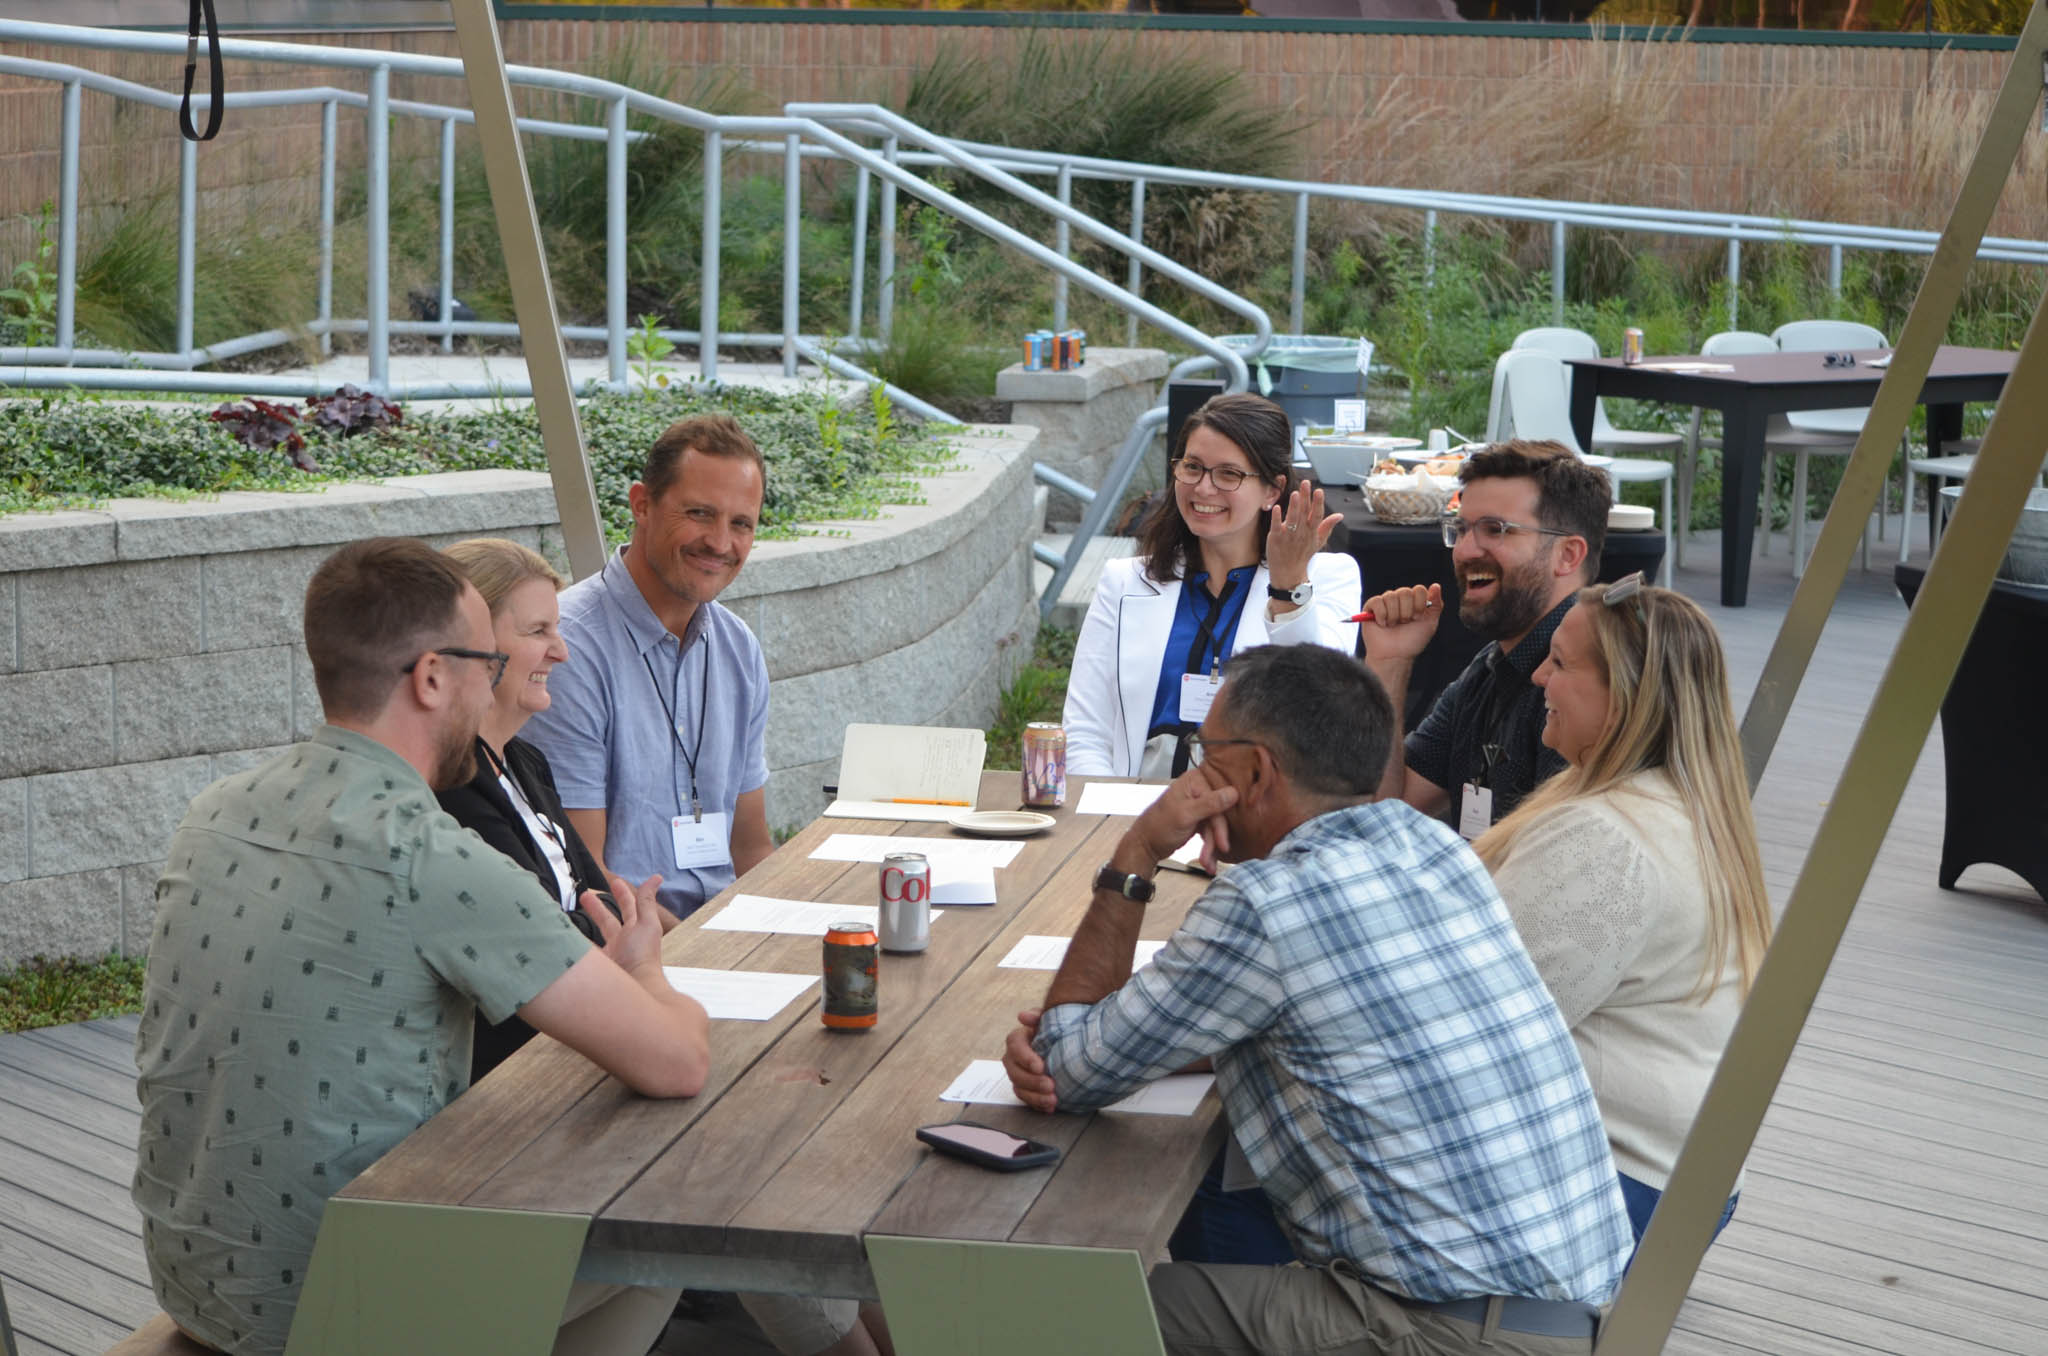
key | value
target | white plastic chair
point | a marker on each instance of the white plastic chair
(1828, 432)
(1953, 466)
(1569, 343)
(1721, 345)
(1532, 401)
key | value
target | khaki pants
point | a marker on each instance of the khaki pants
(1316, 1311)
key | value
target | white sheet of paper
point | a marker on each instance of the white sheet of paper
(738, 995)
(985, 1083)
(954, 852)
(881, 766)
(1188, 857)
(804, 918)
(1118, 798)
(1046, 953)
(958, 885)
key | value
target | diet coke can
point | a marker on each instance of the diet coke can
(906, 903)
(1045, 765)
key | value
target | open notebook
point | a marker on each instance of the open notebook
(924, 773)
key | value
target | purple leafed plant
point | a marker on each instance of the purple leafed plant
(263, 425)
(352, 410)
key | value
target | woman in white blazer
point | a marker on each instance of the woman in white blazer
(1220, 568)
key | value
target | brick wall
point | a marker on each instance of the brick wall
(1706, 142)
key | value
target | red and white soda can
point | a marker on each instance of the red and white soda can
(906, 902)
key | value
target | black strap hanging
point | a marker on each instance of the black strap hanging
(202, 9)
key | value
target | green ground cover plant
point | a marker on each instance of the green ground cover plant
(44, 992)
(1037, 692)
(826, 460)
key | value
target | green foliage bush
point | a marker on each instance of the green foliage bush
(825, 460)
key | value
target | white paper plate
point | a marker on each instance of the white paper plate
(1002, 823)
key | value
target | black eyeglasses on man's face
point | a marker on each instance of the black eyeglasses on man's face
(497, 659)
(1200, 745)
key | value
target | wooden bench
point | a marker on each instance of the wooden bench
(159, 1337)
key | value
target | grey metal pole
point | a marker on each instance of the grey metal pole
(377, 205)
(1137, 276)
(856, 307)
(67, 217)
(1062, 240)
(1557, 273)
(1297, 297)
(1734, 278)
(615, 244)
(448, 235)
(885, 247)
(327, 152)
(707, 269)
(188, 212)
(1429, 248)
(526, 261)
(1835, 274)
(792, 201)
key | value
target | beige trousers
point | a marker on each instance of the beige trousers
(1316, 1311)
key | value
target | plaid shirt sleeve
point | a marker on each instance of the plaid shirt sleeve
(1214, 984)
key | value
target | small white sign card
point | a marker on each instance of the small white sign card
(760, 913)
(948, 855)
(1348, 416)
(738, 995)
(924, 773)
(1118, 798)
(1046, 953)
(984, 1082)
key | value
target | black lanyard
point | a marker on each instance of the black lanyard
(503, 772)
(675, 731)
(202, 9)
(1205, 635)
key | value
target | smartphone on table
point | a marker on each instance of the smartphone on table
(988, 1147)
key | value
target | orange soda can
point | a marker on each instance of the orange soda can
(852, 959)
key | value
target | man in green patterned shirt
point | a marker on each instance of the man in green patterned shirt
(325, 936)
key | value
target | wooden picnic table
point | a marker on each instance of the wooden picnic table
(795, 1159)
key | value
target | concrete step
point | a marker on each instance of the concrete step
(1073, 601)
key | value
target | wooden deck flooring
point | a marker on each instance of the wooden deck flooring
(1896, 1200)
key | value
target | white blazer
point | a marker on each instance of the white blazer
(1115, 674)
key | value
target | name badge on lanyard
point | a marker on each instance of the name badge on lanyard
(1197, 694)
(702, 842)
(1475, 810)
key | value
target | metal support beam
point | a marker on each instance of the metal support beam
(533, 297)
(377, 214)
(615, 244)
(447, 298)
(1063, 241)
(792, 234)
(67, 216)
(707, 269)
(1298, 293)
(856, 305)
(1894, 729)
(1137, 275)
(885, 247)
(327, 151)
(188, 248)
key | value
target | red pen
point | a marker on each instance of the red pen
(1367, 616)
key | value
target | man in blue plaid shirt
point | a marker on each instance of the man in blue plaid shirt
(1394, 1070)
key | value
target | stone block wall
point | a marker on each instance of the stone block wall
(150, 647)
(1083, 414)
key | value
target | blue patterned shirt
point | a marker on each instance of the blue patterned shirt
(1392, 1065)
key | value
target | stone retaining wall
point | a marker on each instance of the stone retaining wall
(153, 646)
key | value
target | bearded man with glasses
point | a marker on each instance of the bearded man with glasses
(1526, 536)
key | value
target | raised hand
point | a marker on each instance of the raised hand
(1403, 622)
(1293, 539)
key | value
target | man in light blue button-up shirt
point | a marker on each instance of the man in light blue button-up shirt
(657, 731)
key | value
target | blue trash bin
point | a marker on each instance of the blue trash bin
(1306, 374)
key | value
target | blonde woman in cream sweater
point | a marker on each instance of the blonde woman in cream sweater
(1634, 874)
